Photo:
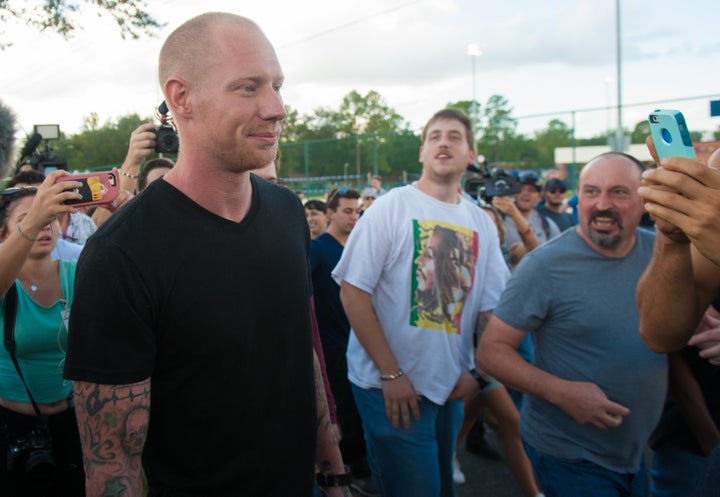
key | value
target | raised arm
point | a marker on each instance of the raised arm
(400, 396)
(142, 144)
(683, 197)
(22, 228)
(113, 422)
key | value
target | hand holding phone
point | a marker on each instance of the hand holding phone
(670, 134)
(96, 188)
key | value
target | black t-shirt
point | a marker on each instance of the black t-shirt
(325, 252)
(216, 313)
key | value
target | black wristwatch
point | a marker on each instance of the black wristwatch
(478, 377)
(343, 480)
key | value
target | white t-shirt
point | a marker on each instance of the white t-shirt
(430, 267)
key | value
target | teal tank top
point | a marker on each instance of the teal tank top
(40, 338)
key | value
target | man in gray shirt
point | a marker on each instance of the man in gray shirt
(595, 391)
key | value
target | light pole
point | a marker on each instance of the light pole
(608, 83)
(619, 134)
(474, 51)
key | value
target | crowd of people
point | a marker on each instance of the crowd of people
(351, 343)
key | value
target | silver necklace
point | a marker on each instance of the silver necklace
(34, 286)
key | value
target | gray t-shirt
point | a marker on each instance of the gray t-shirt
(580, 306)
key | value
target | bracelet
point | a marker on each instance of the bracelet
(128, 175)
(478, 377)
(24, 235)
(394, 376)
(343, 480)
(526, 232)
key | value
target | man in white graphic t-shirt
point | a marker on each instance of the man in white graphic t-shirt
(420, 272)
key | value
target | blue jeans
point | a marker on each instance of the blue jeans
(414, 462)
(675, 471)
(569, 478)
(709, 482)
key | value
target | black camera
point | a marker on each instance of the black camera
(488, 184)
(31, 455)
(166, 139)
(43, 161)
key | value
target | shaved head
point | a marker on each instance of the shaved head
(187, 52)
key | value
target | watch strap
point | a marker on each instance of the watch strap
(325, 480)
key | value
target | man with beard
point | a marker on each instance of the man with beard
(191, 345)
(595, 390)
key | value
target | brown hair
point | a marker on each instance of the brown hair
(452, 114)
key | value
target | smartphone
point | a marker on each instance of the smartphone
(670, 134)
(97, 188)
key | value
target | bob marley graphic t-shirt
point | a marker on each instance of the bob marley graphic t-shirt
(430, 267)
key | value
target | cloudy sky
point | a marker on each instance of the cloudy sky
(544, 57)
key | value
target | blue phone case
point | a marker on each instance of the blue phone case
(670, 134)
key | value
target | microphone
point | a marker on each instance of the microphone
(7, 137)
(30, 146)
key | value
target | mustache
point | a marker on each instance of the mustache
(607, 214)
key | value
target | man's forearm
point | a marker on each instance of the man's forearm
(329, 460)
(504, 363)
(361, 314)
(666, 297)
(113, 422)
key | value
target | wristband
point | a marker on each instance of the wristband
(525, 232)
(478, 377)
(128, 175)
(343, 480)
(24, 235)
(394, 376)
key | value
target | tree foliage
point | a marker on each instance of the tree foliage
(98, 146)
(345, 144)
(363, 135)
(498, 128)
(62, 16)
(557, 134)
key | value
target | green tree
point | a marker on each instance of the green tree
(471, 108)
(499, 127)
(370, 113)
(358, 137)
(98, 146)
(557, 134)
(62, 16)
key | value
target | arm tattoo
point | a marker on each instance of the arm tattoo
(482, 321)
(113, 422)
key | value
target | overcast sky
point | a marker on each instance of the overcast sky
(544, 57)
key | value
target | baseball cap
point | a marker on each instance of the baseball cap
(530, 178)
(555, 183)
(369, 192)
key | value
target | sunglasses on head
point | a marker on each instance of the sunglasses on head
(18, 189)
(369, 197)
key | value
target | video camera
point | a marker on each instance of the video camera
(166, 138)
(486, 184)
(44, 161)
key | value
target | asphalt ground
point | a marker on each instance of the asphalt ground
(486, 478)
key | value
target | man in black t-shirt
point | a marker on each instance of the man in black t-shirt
(190, 344)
